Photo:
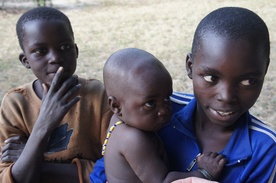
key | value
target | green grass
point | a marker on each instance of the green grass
(164, 28)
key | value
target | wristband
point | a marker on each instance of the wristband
(205, 174)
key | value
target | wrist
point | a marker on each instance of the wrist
(206, 174)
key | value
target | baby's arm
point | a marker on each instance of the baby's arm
(55, 104)
(140, 153)
(210, 166)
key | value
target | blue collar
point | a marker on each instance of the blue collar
(238, 147)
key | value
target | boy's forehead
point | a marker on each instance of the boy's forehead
(40, 26)
(217, 49)
(51, 22)
(215, 44)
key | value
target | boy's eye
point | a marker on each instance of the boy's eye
(248, 82)
(210, 78)
(150, 104)
(40, 51)
(65, 47)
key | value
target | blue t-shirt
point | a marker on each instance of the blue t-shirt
(250, 152)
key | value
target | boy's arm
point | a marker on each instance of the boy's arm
(77, 171)
(59, 99)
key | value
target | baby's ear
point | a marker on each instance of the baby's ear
(24, 61)
(114, 105)
(189, 65)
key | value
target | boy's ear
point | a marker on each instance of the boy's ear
(24, 61)
(114, 105)
(189, 65)
(77, 50)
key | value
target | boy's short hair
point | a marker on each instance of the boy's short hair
(39, 13)
(234, 23)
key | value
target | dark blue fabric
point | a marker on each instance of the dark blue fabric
(98, 174)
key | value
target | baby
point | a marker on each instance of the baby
(139, 89)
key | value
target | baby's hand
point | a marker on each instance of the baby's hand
(12, 149)
(211, 163)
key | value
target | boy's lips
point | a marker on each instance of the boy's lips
(52, 72)
(224, 115)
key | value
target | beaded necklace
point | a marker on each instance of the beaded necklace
(111, 129)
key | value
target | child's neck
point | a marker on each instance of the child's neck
(210, 136)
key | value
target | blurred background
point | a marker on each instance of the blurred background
(163, 27)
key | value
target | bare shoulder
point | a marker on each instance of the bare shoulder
(135, 151)
(132, 140)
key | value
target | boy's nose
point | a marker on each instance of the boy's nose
(227, 93)
(55, 57)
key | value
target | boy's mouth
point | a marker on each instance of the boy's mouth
(51, 73)
(225, 113)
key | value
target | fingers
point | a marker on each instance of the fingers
(56, 80)
(12, 150)
(67, 95)
(212, 155)
(16, 139)
(222, 161)
(212, 163)
(73, 101)
(62, 89)
(15, 145)
(10, 156)
(58, 99)
(45, 91)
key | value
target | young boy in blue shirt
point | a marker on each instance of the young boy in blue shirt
(228, 64)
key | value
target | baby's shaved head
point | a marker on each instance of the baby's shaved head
(128, 67)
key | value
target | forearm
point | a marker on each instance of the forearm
(28, 166)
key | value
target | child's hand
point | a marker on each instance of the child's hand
(13, 148)
(211, 162)
(56, 102)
